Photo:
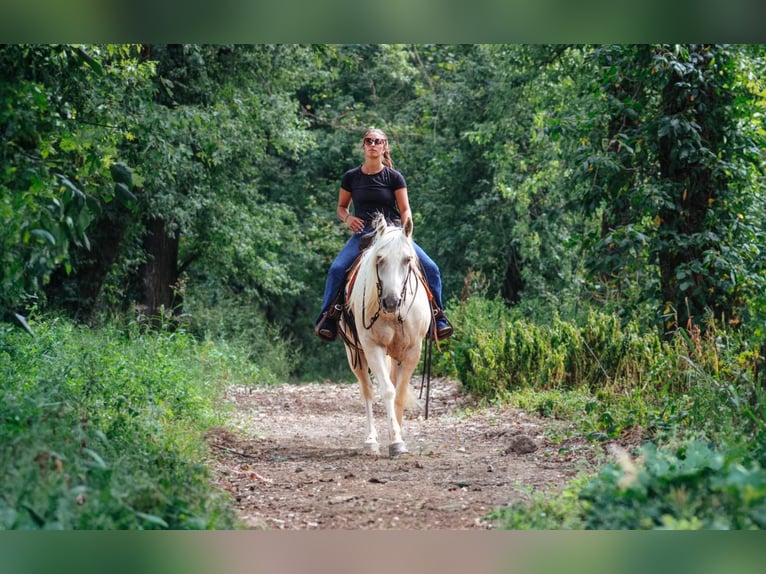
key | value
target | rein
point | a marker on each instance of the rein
(402, 298)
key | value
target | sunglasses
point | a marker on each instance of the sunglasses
(374, 141)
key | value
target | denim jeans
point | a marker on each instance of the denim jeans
(348, 255)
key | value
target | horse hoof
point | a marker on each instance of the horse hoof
(374, 447)
(397, 448)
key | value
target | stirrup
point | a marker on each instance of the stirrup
(444, 332)
(327, 328)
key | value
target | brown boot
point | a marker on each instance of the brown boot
(444, 329)
(327, 328)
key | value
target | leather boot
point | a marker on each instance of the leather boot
(327, 327)
(444, 329)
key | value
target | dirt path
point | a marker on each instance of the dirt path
(293, 457)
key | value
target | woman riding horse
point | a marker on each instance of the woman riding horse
(374, 187)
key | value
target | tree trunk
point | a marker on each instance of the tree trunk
(160, 274)
(690, 191)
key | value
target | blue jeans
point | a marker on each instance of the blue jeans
(348, 255)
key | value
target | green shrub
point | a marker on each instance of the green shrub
(216, 315)
(614, 379)
(631, 379)
(689, 486)
(102, 429)
(496, 351)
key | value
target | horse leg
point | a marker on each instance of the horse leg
(379, 366)
(367, 395)
(358, 364)
(404, 397)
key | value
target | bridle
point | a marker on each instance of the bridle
(402, 297)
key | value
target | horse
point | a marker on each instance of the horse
(386, 317)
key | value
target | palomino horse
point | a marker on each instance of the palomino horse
(387, 316)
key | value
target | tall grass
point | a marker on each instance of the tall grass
(102, 428)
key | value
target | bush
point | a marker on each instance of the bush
(688, 486)
(216, 315)
(497, 351)
(102, 429)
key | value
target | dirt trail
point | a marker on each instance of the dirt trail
(293, 457)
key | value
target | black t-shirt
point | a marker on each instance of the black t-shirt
(373, 194)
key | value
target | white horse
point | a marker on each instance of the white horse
(387, 316)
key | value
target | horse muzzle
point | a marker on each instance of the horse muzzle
(390, 304)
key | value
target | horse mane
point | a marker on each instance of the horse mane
(386, 237)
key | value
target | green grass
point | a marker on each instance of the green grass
(102, 428)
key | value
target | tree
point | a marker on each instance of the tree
(674, 172)
(488, 160)
(195, 142)
(55, 104)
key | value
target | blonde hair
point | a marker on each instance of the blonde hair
(387, 161)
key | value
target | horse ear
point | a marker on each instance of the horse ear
(408, 227)
(379, 223)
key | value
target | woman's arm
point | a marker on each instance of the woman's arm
(403, 203)
(344, 201)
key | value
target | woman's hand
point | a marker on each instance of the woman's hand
(354, 223)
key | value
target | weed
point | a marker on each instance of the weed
(102, 429)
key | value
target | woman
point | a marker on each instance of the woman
(374, 187)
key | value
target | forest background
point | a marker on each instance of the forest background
(597, 212)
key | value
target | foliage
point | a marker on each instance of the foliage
(613, 379)
(700, 383)
(687, 486)
(102, 428)
(503, 351)
(55, 106)
(596, 212)
(220, 317)
(674, 168)
(537, 174)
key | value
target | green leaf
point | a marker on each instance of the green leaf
(94, 64)
(153, 519)
(76, 193)
(121, 173)
(124, 195)
(99, 462)
(44, 235)
(94, 205)
(23, 322)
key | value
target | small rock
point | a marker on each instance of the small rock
(520, 444)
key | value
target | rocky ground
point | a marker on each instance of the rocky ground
(293, 457)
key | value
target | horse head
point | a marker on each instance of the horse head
(394, 256)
